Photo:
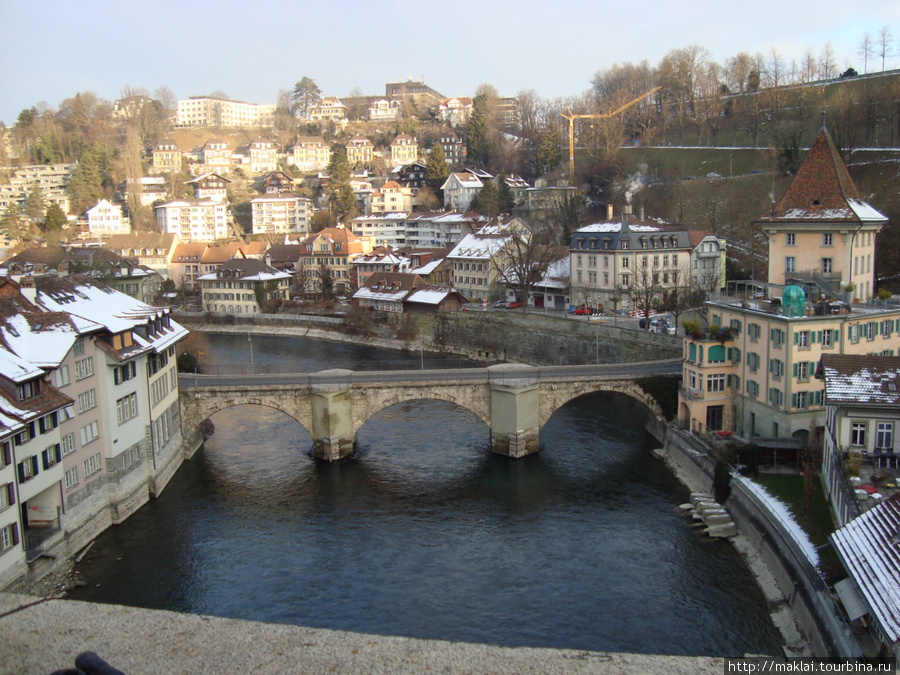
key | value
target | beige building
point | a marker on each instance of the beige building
(475, 262)
(360, 150)
(328, 253)
(404, 150)
(329, 109)
(243, 286)
(392, 198)
(216, 156)
(166, 157)
(263, 157)
(310, 154)
(753, 372)
(821, 233)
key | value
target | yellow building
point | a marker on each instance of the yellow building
(822, 234)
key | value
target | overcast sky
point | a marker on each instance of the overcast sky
(52, 49)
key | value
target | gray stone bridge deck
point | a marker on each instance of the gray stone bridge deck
(514, 401)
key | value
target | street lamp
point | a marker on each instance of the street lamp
(250, 340)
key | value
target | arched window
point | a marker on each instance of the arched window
(717, 354)
(692, 353)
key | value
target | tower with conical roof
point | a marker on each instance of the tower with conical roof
(821, 232)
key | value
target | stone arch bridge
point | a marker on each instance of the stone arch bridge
(514, 401)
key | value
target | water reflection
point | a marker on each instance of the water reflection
(426, 533)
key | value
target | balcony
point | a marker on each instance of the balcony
(691, 394)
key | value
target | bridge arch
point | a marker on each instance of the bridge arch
(555, 395)
(368, 403)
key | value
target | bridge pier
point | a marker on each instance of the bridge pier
(332, 420)
(515, 411)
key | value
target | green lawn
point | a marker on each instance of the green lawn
(816, 522)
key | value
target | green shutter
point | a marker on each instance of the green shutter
(793, 400)
(796, 338)
(796, 369)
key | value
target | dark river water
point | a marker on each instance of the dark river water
(425, 533)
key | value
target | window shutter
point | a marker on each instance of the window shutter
(837, 336)
(21, 468)
(10, 493)
(15, 534)
(729, 381)
(819, 337)
(796, 370)
(796, 338)
(771, 335)
(793, 400)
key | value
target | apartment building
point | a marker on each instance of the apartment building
(52, 179)
(477, 260)
(404, 150)
(205, 111)
(310, 154)
(459, 189)
(280, 214)
(210, 187)
(753, 371)
(243, 286)
(326, 256)
(216, 156)
(98, 369)
(629, 261)
(193, 221)
(360, 151)
(263, 157)
(329, 109)
(392, 198)
(166, 157)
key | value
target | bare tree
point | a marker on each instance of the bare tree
(866, 50)
(644, 286)
(885, 47)
(524, 258)
(827, 62)
(166, 98)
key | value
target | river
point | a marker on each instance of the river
(426, 533)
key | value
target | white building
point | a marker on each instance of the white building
(194, 221)
(459, 189)
(205, 111)
(106, 219)
(280, 214)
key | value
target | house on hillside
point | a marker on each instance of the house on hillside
(459, 189)
(243, 286)
(106, 219)
(310, 154)
(210, 186)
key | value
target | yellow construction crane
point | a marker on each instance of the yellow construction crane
(572, 117)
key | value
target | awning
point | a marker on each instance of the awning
(850, 597)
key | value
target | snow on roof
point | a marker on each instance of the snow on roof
(42, 344)
(100, 305)
(478, 246)
(429, 296)
(869, 547)
(617, 227)
(861, 379)
(428, 267)
(16, 368)
(864, 211)
(366, 293)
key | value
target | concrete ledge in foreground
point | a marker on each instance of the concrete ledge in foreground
(38, 636)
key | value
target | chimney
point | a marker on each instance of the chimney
(609, 211)
(641, 216)
(626, 211)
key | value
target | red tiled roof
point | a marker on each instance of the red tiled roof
(821, 190)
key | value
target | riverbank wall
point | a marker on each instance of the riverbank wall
(801, 605)
(495, 337)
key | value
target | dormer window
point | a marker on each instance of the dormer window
(624, 244)
(28, 390)
(606, 244)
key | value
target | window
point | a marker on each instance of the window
(62, 376)
(827, 239)
(753, 331)
(67, 444)
(776, 397)
(28, 468)
(858, 434)
(78, 347)
(51, 456)
(753, 361)
(92, 465)
(827, 265)
(48, 423)
(126, 408)
(84, 368)
(800, 400)
(801, 339)
(752, 389)
(715, 383)
(827, 338)
(776, 367)
(89, 433)
(26, 390)
(801, 370)
(9, 537)
(86, 401)
(777, 337)
(884, 436)
(7, 495)
(125, 373)
(789, 263)
(790, 239)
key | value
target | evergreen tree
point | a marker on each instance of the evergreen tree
(486, 201)
(505, 200)
(34, 203)
(86, 187)
(55, 219)
(477, 133)
(341, 200)
(436, 169)
(305, 95)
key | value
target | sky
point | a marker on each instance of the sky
(51, 50)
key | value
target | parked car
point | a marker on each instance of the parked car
(662, 326)
(513, 305)
(500, 304)
(581, 311)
